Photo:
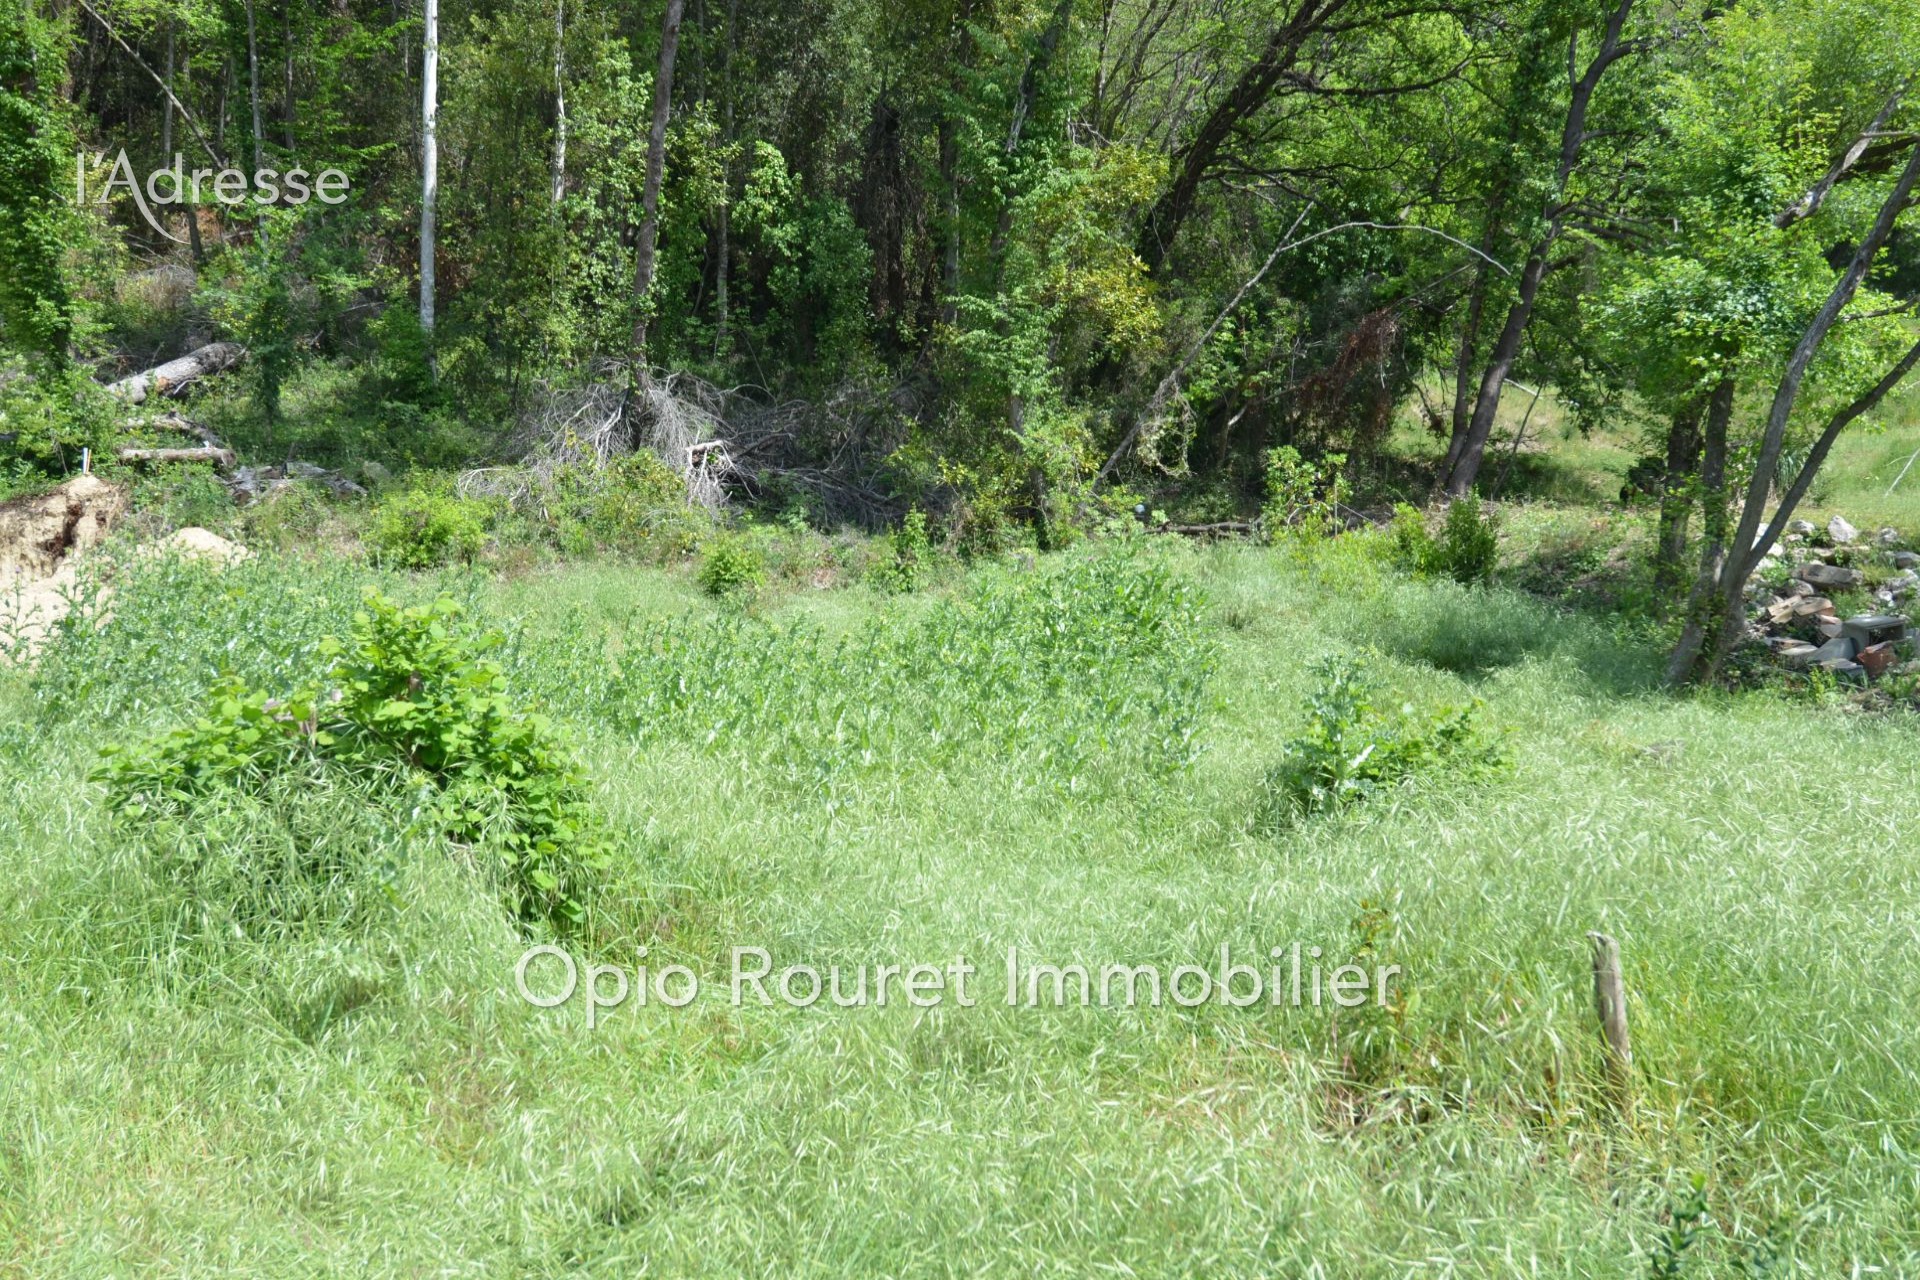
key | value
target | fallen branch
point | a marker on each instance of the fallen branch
(175, 376)
(219, 457)
(174, 422)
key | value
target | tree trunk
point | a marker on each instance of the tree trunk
(166, 107)
(650, 191)
(429, 158)
(1676, 498)
(253, 84)
(1464, 453)
(1707, 641)
(175, 376)
(286, 37)
(1250, 92)
(559, 168)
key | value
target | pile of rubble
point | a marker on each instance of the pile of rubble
(1801, 624)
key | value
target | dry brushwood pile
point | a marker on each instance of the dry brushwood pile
(1798, 596)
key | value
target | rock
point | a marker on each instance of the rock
(1888, 537)
(1906, 559)
(1798, 588)
(1828, 626)
(194, 543)
(1801, 527)
(1838, 649)
(1810, 605)
(1827, 575)
(1846, 670)
(1871, 628)
(1840, 531)
(1876, 658)
(1796, 655)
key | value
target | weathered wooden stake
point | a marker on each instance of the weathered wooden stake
(1610, 1003)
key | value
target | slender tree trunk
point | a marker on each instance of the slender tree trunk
(166, 107)
(429, 158)
(1676, 498)
(1703, 605)
(286, 37)
(253, 85)
(1195, 160)
(1464, 453)
(1465, 359)
(559, 170)
(1706, 642)
(220, 125)
(723, 220)
(650, 191)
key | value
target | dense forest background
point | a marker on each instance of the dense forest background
(1011, 262)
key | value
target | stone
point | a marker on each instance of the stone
(1829, 626)
(1797, 655)
(1876, 658)
(1838, 649)
(1809, 605)
(1846, 670)
(1906, 559)
(1888, 537)
(1798, 588)
(1871, 628)
(1828, 575)
(1840, 531)
(1801, 527)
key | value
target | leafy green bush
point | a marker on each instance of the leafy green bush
(731, 564)
(1303, 497)
(411, 701)
(1350, 750)
(909, 555)
(419, 528)
(634, 505)
(1466, 550)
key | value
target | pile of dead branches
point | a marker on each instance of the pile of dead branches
(723, 442)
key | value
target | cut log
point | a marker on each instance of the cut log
(173, 377)
(219, 457)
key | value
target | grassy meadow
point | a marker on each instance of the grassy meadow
(281, 1037)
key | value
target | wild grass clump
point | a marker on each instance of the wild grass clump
(412, 706)
(1097, 656)
(1352, 751)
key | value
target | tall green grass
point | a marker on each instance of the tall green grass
(1069, 760)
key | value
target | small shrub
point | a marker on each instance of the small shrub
(1303, 496)
(412, 699)
(1466, 550)
(1351, 751)
(419, 528)
(909, 556)
(731, 564)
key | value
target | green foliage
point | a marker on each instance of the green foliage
(46, 420)
(909, 555)
(1303, 498)
(1466, 550)
(1352, 751)
(36, 223)
(634, 505)
(1098, 662)
(420, 527)
(1686, 1218)
(411, 701)
(731, 564)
